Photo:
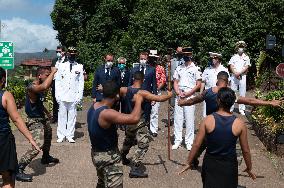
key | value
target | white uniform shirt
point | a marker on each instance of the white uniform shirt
(209, 75)
(239, 62)
(187, 76)
(175, 62)
(69, 86)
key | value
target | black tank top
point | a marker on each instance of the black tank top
(102, 140)
(129, 100)
(4, 116)
(211, 101)
(35, 110)
(222, 141)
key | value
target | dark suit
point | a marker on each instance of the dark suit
(149, 84)
(101, 77)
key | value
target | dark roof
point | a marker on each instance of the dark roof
(37, 62)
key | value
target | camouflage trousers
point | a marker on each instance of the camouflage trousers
(109, 168)
(139, 132)
(42, 134)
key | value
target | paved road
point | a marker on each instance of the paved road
(76, 169)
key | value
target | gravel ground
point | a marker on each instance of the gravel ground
(76, 169)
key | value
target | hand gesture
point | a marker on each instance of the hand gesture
(181, 102)
(170, 93)
(100, 87)
(187, 167)
(34, 145)
(276, 103)
(251, 175)
(53, 69)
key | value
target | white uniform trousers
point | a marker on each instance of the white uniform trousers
(204, 109)
(240, 85)
(67, 114)
(154, 118)
(181, 113)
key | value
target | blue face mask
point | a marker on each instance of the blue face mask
(186, 58)
(121, 66)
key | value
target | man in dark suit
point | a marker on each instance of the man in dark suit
(104, 73)
(149, 83)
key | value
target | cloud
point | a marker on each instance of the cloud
(27, 36)
(33, 10)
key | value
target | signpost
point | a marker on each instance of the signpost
(7, 55)
(280, 70)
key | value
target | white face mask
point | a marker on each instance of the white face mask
(58, 55)
(142, 62)
(109, 64)
(240, 50)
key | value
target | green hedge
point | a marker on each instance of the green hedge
(271, 118)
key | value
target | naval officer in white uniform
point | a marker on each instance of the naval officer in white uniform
(69, 91)
(209, 75)
(239, 64)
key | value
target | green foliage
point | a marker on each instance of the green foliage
(127, 27)
(88, 84)
(270, 117)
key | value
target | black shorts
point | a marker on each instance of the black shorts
(8, 155)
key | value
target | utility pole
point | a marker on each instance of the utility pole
(6, 83)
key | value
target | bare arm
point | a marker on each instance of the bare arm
(110, 116)
(245, 150)
(176, 88)
(158, 98)
(192, 101)
(202, 87)
(258, 102)
(122, 91)
(196, 87)
(10, 105)
(196, 145)
(46, 84)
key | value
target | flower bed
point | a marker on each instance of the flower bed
(268, 124)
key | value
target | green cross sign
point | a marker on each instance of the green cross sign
(7, 55)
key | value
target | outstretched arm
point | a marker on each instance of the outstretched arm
(158, 98)
(111, 117)
(258, 102)
(192, 101)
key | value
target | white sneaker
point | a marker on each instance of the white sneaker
(60, 140)
(242, 112)
(175, 146)
(70, 140)
(188, 147)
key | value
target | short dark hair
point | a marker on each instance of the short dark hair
(41, 70)
(223, 75)
(63, 48)
(138, 75)
(2, 73)
(226, 97)
(110, 89)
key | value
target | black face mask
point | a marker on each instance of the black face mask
(179, 55)
(72, 57)
(186, 58)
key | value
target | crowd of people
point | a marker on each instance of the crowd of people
(128, 97)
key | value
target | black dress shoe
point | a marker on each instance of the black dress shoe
(49, 159)
(154, 134)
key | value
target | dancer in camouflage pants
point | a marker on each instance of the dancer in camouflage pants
(42, 134)
(109, 168)
(141, 134)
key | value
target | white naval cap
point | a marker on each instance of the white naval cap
(215, 54)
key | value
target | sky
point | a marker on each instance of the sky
(28, 25)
